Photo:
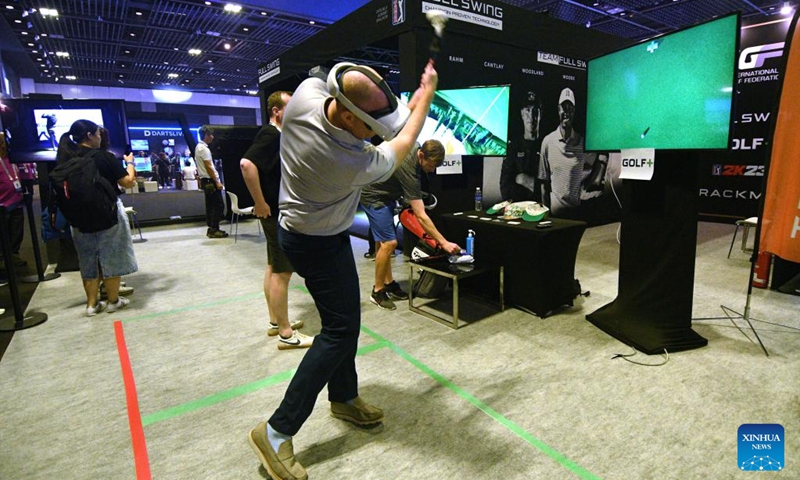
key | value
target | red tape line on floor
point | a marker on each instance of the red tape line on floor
(134, 416)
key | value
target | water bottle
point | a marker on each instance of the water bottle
(478, 199)
(470, 242)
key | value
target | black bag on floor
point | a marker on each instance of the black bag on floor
(430, 285)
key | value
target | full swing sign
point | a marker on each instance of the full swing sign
(477, 12)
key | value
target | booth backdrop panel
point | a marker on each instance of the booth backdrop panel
(731, 183)
(229, 145)
(539, 263)
(653, 308)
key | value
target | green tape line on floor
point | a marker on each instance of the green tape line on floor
(513, 427)
(201, 306)
(238, 391)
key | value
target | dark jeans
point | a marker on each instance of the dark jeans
(214, 205)
(329, 270)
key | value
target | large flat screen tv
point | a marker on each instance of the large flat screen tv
(35, 126)
(469, 121)
(670, 92)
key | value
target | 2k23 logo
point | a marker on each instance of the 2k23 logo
(754, 57)
(738, 170)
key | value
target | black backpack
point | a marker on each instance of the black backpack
(86, 198)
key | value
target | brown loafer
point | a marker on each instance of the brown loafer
(359, 413)
(280, 466)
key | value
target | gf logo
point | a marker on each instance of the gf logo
(754, 57)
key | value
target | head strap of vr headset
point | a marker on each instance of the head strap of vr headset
(387, 129)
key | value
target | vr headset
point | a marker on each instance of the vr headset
(386, 122)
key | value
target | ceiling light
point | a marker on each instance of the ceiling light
(17, 21)
(195, 51)
(246, 29)
(31, 45)
(24, 33)
(139, 13)
(71, 77)
(62, 54)
(10, 7)
(233, 8)
(208, 4)
(48, 12)
(264, 13)
(312, 22)
(227, 46)
(786, 9)
(172, 75)
(133, 34)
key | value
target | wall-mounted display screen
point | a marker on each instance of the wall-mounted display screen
(469, 121)
(139, 145)
(670, 92)
(35, 126)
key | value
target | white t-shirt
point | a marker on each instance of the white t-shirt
(203, 154)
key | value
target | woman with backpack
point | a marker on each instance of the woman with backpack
(103, 251)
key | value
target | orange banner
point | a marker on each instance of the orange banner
(780, 229)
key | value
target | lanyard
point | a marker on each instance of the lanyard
(13, 178)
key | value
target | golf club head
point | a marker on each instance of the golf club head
(438, 20)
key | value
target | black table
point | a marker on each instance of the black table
(539, 264)
(443, 268)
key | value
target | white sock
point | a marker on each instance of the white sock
(276, 438)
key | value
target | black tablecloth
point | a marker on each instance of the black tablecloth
(539, 263)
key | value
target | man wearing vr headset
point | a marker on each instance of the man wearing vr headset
(325, 164)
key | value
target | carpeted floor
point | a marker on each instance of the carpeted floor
(170, 387)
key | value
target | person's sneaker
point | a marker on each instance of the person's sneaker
(124, 291)
(216, 234)
(382, 300)
(297, 340)
(359, 413)
(394, 291)
(98, 307)
(121, 303)
(281, 465)
(273, 329)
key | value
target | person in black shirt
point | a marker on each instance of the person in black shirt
(261, 169)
